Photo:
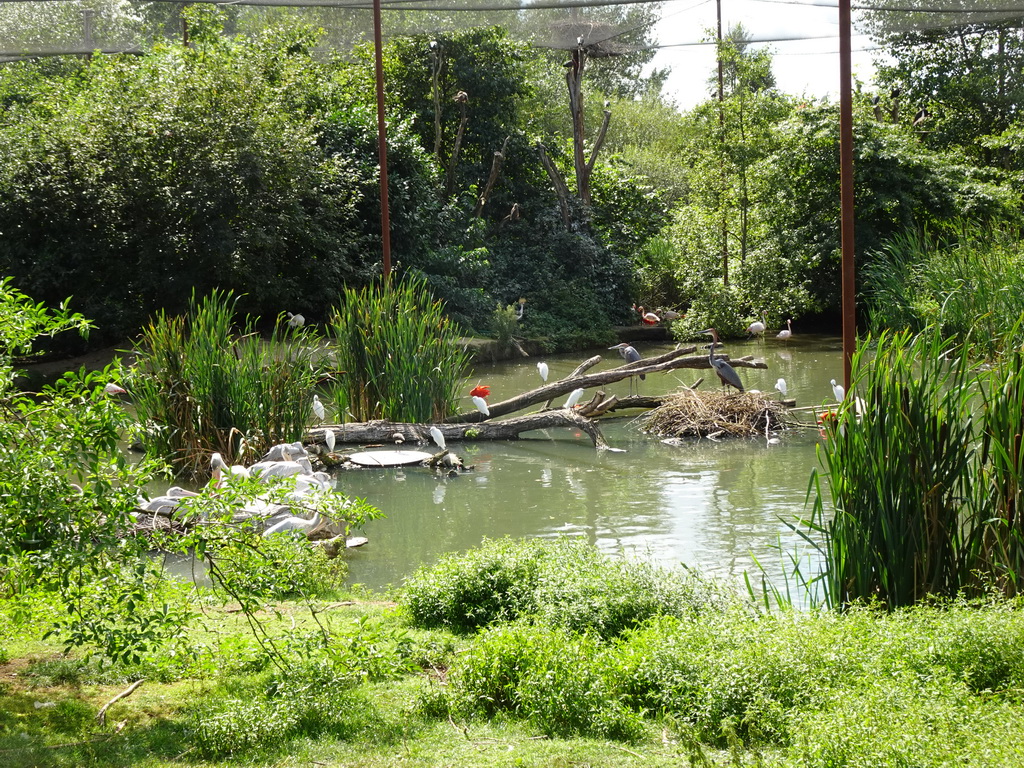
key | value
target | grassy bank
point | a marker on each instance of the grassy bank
(566, 658)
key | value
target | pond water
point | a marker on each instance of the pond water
(715, 505)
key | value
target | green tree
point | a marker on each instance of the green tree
(898, 186)
(959, 76)
(243, 165)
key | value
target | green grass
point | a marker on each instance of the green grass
(936, 684)
(967, 281)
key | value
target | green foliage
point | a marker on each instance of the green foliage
(66, 494)
(900, 530)
(968, 282)
(200, 385)
(716, 307)
(627, 209)
(484, 63)
(399, 353)
(942, 520)
(564, 583)
(549, 677)
(898, 186)
(505, 324)
(970, 81)
(245, 165)
(576, 290)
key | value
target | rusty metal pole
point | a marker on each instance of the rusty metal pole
(382, 147)
(846, 191)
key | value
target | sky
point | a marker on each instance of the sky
(802, 67)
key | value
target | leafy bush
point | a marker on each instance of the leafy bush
(245, 165)
(494, 582)
(564, 583)
(550, 677)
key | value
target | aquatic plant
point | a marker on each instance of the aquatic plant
(924, 465)
(399, 353)
(201, 385)
(967, 280)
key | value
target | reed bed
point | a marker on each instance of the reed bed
(1000, 480)
(967, 280)
(714, 414)
(399, 352)
(925, 476)
(201, 384)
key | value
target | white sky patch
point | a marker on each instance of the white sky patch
(804, 46)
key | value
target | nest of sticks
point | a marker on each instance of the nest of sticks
(714, 414)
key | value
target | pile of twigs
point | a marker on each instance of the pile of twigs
(714, 414)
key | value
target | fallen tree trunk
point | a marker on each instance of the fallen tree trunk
(473, 425)
(391, 432)
(671, 360)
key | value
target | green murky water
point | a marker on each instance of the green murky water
(715, 505)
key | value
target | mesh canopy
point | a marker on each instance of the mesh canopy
(30, 28)
(50, 27)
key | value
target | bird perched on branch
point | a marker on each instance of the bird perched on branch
(629, 354)
(542, 369)
(573, 398)
(725, 371)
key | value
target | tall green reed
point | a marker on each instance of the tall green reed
(1000, 480)
(901, 476)
(968, 280)
(399, 353)
(200, 385)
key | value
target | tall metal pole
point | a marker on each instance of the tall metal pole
(382, 148)
(721, 128)
(846, 190)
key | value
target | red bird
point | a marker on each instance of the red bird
(480, 390)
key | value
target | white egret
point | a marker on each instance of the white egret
(113, 389)
(481, 405)
(542, 369)
(781, 386)
(438, 438)
(838, 392)
(318, 409)
(295, 321)
(329, 439)
(573, 398)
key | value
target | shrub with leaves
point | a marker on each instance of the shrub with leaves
(561, 582)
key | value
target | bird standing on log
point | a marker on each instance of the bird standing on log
(725, 371)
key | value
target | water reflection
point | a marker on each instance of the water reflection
(715, 505)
